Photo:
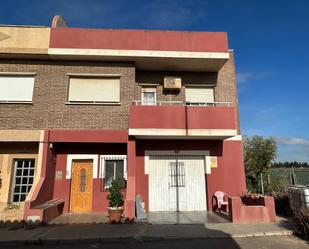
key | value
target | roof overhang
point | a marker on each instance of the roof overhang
(148, 60)
(211, 134)
(148, 49)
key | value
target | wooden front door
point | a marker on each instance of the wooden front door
(81, 187)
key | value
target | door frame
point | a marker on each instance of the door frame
(72, 157)
(204, 153)
(72, 168)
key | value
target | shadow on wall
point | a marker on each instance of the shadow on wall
(187, 77)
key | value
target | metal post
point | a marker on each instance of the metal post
(177, 187)
(262, 184)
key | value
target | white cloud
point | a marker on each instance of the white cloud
(293, 141)
(243, 77)
(293, 149)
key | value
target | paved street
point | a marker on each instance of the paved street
(266, 242)
(132, 233)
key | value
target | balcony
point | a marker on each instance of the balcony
(183, 120)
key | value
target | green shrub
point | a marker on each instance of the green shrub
(115, 196)
(301, 226)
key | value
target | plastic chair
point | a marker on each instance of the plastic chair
(220, 196)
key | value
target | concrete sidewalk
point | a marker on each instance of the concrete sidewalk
(137, 232)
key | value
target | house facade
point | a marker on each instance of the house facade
(80, 108)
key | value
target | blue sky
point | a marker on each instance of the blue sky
(270, 39)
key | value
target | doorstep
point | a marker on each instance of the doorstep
(85, 218)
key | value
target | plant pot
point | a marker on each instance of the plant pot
(115, 214)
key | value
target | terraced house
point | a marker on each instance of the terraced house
(81, 107)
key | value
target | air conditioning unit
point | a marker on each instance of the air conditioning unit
(172, 83)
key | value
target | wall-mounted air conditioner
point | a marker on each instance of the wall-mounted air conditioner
(172, 83)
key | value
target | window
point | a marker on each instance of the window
(149, 96)
(23, 179)
(83, 175)
(200, 96)
(177, 174)
(113, 168)
(94, 90)
(15, 88)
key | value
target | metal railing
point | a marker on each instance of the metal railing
(183, 103)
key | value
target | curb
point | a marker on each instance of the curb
(56, 241)
(265, 234)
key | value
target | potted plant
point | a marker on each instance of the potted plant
(115, 198)
(250, 199)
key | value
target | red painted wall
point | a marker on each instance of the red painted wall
(44, 188)
(214, 146)
(131, 183)
(182, 117)
(264, 213)
(211, 117)
(164, 117)
(139, 40)
(89, 136)
(229, 177)
(62, 188)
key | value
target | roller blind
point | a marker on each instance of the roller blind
(94, 89)
(200, 95)
(16, 88)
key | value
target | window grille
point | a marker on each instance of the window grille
(177, 174)
(83, 174)
(23, 179)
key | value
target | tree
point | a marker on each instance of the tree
(259, 154)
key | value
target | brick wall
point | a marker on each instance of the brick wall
(226, 89)
(49, 108)
(50, 95)
(224, 83)
(150, 77)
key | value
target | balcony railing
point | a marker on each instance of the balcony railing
(183, 103)
(193, 117)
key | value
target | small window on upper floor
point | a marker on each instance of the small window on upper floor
(16, 88)
(149, 96)
(94, 90)
(200, 96)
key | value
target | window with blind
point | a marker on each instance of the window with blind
(94, 90)
(15, 88)
(200, 96)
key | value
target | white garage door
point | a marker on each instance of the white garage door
(177, 183)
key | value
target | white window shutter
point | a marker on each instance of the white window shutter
(16, 88)
(94, 89)
(199, 95)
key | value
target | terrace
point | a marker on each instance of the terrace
(177, 119)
